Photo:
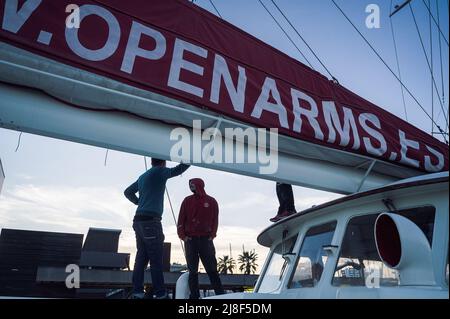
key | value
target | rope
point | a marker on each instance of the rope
(217, 11)
(426, 58)
(175, 220)
(304, 41)
(441, 66)
(387, 66)
(398, 64)
(106, 157)
(432, 69)
(440, 57)
(439, 28)
(286, 34)
(18, 142)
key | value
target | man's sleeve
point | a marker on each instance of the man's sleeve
(130, 193)
(215, 222)
(182, 221)
(177, 170)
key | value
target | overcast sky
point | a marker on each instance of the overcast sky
(54, 185)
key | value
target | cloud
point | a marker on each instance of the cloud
(25, 177)
(244, 212)
(63, 208)
(75, 209)
(251, 200)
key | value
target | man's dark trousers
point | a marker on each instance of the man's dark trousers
(150, 243)
(285, 197)
(203, 248)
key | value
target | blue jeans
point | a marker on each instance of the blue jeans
(149, 243)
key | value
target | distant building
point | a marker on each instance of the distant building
(2, 176)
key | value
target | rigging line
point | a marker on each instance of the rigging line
(18, 142)
(440, 56)
(175, 220)
(446, 116)
(438, 26)
(217, 11)
(145, 163)
(426, 58)
(106, 156)
(304, 41)
(398, 64)
(432, 68)
(440, 133)
(286, 34)
(387, 66)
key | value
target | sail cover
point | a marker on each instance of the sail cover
(178, 50)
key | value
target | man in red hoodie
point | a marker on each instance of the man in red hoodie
(197, 227)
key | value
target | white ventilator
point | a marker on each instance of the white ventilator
(403, 246)
(182, 290)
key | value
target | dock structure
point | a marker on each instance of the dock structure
(99, 280)
(34, 264)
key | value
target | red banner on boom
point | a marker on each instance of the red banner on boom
(177, 49)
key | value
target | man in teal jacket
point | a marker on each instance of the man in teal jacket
(147, 224)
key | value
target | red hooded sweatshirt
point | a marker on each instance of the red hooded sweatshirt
(199, 213)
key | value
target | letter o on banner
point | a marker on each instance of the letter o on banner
(113, 35)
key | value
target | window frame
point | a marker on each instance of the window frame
(298, 250)
(446, 265)
(269, 260)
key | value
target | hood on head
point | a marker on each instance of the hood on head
(199, 186)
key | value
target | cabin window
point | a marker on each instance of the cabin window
(446, 271)
(276, 268)
(312, 257)
(359, 263)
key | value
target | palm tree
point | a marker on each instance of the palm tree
(226, 265)
(247, 262)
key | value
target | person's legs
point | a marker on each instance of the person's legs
(191, 247)
(208, 256)
(153, 239)
(287, 196)
(140, 264)
(281, 208)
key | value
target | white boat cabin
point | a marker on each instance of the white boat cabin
(390, 242)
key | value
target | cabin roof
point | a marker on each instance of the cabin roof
(266, 240)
